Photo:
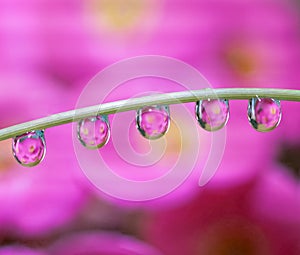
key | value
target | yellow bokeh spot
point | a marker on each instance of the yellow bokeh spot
(85, 131)
(31, 148)
(173, 139)
(150, 118)
(6, 160)
(216, 109)
(273, 110)
(119, 14)
(155, 131)
(242, 60)
(265, 119)
(101, 129)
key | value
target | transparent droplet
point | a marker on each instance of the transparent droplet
(29, 149)
(93, 132)
(212, 114)
(153, 121)
(264, 114)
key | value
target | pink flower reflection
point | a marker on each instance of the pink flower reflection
(231, 43)
(129, 155)
(224, 39)
(101, 243)
(254, 44)
(37, 200)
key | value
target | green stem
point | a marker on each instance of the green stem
(136, 103)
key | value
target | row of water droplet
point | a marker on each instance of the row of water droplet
(153, 122)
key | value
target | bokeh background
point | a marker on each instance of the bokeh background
(50, 49)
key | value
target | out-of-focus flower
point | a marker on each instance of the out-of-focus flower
(19, 250)
(69, 55)
(232, 43)
(289, 122)
(254, 44)
(101, 243)
(23, 97)
(234, 51)
(276, 206)
(223, 222)
(36, 201)
(217, 45)
(135, 158)
(245, 147)
(200, 227)
(82, 37)
(250, 43)
(20, 44)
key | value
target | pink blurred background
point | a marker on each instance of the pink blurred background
(50, 49)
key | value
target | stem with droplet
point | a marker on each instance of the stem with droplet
(136, 103)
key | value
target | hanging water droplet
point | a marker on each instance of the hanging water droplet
(93, 132)
(29, 149)
(212, 114)
(153, 121)
(264, 114)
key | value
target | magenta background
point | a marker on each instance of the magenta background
(51, 49)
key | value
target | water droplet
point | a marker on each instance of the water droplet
(29, 149)
(93, 132)
(264, 114)
(153, 121)
(212, 114)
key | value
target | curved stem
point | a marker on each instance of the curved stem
(136, 103)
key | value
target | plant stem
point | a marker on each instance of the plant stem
(136, 103)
